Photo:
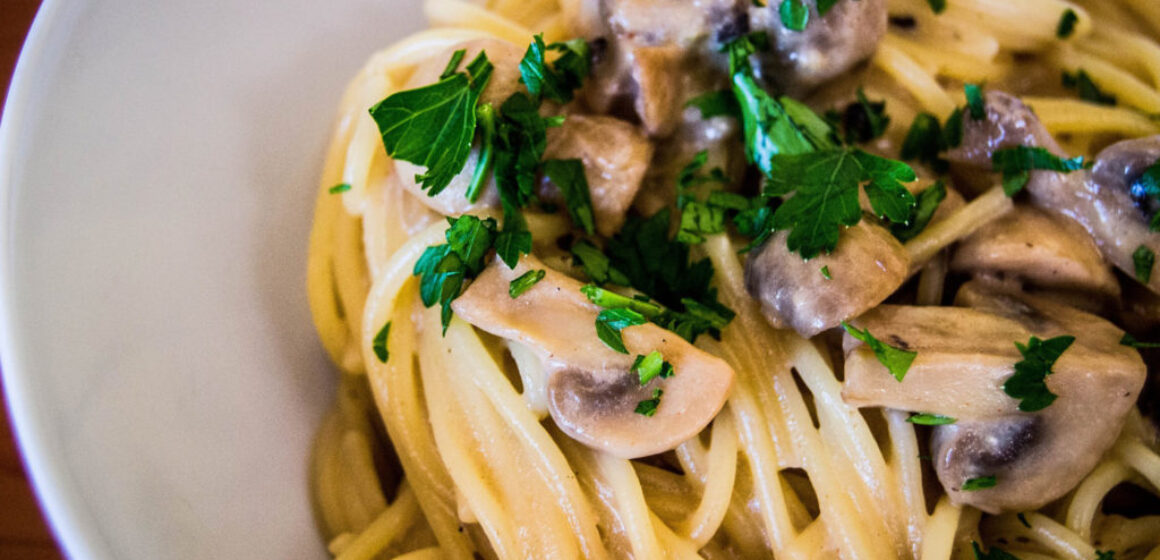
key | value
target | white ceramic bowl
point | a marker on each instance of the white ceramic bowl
(158, 163)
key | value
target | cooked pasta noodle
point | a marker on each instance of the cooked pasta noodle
(447, 449)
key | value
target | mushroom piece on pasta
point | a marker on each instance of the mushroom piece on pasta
(593, 394)
(965, 355)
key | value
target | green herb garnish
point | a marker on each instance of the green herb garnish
(612, 300)
(826, 273)
(1147, 187)
(1129, 340)
(1023, 519)
(610, 322)
(1143, 259)
(651, 366)
(975, 104)
(648, 407)
(979, 483)
(559, 80)
(1017, 163)
(896, 360)
(339, 188)
(596, 264)
(716, 104)
(1082, 83)
(995, 553)
(379, 343)
(1067, 22)
(921, 214)
(568, 176)
(442, 269)
(864, 120)
(433, 126)
(795, 14)
(525, 282)
(925, 419)
(1028, 383)
(937, 6)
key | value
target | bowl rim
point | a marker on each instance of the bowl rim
(69, 518)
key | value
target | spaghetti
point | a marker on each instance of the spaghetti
(446, 450)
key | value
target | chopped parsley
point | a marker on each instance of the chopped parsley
(995, 553)
(558, 81)
(339, 188)
(648, 407)
(568, 176)
(379, 343)
(716, 104)
(525, 282)
(596, 264)
(446, 111)
(610, 322)
(926, 139)
(937, 6)
(1082, 83)
(1143, 259)
(1105, 555)
(1129, 340)
(651, 366)
(824, 6)
(795, 14)
(953, 130)
(925, 419)
(863, 120)
(826, 273)
(1147, 189)
(612, 300)
(921, 214)
(1023, 519)
(825, 187)
(701, 218)
(1028, 383)
(896, 360)
(442, 269)
(1067, 22)
(1016, 164)
(975, 104)
(979, 483)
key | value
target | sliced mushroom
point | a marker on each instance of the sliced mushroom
(504, 81)
(802, 60)
(866, 267)
(592, 392)
(655, 56)
(616, 156)
(965, 355)
(1039, 249)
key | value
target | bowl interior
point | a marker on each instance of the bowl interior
(158, 163)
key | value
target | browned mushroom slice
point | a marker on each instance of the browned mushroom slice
(504, 81)
(965, 356)
(592, 392)
(615, 156)
(1040, 249)
(828, 46)
(866, 267)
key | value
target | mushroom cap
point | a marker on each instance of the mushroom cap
(615, 155)
(802, 60)
(504, 81)
(965, 355)
(592, 392)
(1038, 248)
(867, 266)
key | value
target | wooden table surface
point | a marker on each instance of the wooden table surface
(23, 533)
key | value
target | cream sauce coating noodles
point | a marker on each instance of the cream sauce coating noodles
(449, 449)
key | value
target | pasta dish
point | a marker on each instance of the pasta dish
(791, 279)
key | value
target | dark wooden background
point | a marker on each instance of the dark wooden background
(23, 533)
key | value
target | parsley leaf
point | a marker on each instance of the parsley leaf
(896, 360)
(953, 129)
(558, 81)
(610, 322)
(1129, 340)
(1105, 555)
(442, 269)
(699, 219)
(612, 300)
(568, 176)
(1144, 259)
(925, 419)
(716, 104)
(824, 6)
(825, 186)
(795, 14)
(648, 407)
(937, 6)
(339, 188)
(1028, 383)
(975, 104)
(924, 141)
(1016, 164)
(995, 553)
(379, 343)
(1146, 189)
(920, 216)
(1082, 83)
(864, 120)
(525, 282)
(651, 366)
(433, 126)
(826, 273)
(1067, 22)
(596, 264)
(979, 483)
